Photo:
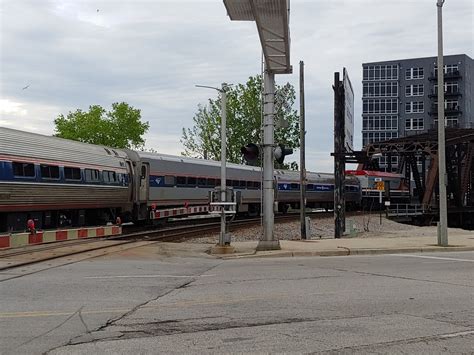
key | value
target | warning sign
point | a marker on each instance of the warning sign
(380, 185)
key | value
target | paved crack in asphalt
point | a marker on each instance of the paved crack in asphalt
(399, 277)
(112, 321)
(426, 339)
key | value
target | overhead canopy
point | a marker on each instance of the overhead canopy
(272, 19)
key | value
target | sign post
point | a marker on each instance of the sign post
(380, 187)
(343, 143)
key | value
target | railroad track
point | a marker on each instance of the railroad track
(178, 233)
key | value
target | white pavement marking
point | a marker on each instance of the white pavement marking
(433, 257)
(458, 334)
(144, 276)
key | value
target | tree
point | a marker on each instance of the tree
(244, 119)
(120, 127)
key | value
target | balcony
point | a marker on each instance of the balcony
(449, 110)
(455, 74)
(449, 123)
(434, 94)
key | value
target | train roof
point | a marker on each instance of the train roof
(373, 173)
(19, 144)
(296, 174)
(197, 161)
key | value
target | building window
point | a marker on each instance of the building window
(380, 72)
(414, 107)
(451, 105)
(387, 89)
(371, 137)
(448, 105)
(449, 88)
(414, 124)
(414, 73)
(380, 106)
(448, 68)
(380, 123)
(414, 90)
(383, 160)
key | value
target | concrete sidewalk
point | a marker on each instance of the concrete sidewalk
(458, 241)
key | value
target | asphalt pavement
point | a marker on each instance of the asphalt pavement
(164, 299)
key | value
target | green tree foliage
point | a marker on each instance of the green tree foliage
(244, 118)
(121, 127)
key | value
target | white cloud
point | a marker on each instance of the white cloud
(8, 107)
(152, 53)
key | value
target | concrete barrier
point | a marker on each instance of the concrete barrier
(15, 240)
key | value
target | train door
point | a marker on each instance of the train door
(144, 183)
(131, 179)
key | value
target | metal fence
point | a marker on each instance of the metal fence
(400, 210)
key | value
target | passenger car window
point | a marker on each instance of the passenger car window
(191, 181)
(211, 182)
(181, 180)
(109, 176)
(92, 175)
(23, 169)
(72, 173)
(202, 182)
(49, 171)
(169, 180)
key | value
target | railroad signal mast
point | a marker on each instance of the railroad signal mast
(251, 153)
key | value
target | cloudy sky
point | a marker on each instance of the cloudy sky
(151, 53)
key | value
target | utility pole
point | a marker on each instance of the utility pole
(222, 238)
(302, 156)
(443, 206)
(223, 246)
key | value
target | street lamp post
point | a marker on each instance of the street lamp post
(223, 92)
(443, 208)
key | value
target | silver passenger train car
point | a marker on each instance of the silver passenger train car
(59, 183)
(181, 181)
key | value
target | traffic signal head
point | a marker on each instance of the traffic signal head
(281, 152)
(250, 152)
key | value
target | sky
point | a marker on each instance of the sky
(70, 54)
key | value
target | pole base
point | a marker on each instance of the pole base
(222, 249)
(268, 245)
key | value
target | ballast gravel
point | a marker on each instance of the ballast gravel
(363, 226)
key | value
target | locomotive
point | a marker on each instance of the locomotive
(59, 183)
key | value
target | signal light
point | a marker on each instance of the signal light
(281, 152)
(251, 152)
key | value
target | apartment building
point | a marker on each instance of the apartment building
(399, 97)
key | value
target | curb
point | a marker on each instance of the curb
(343, 251)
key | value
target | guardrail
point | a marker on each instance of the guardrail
(406, 210)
